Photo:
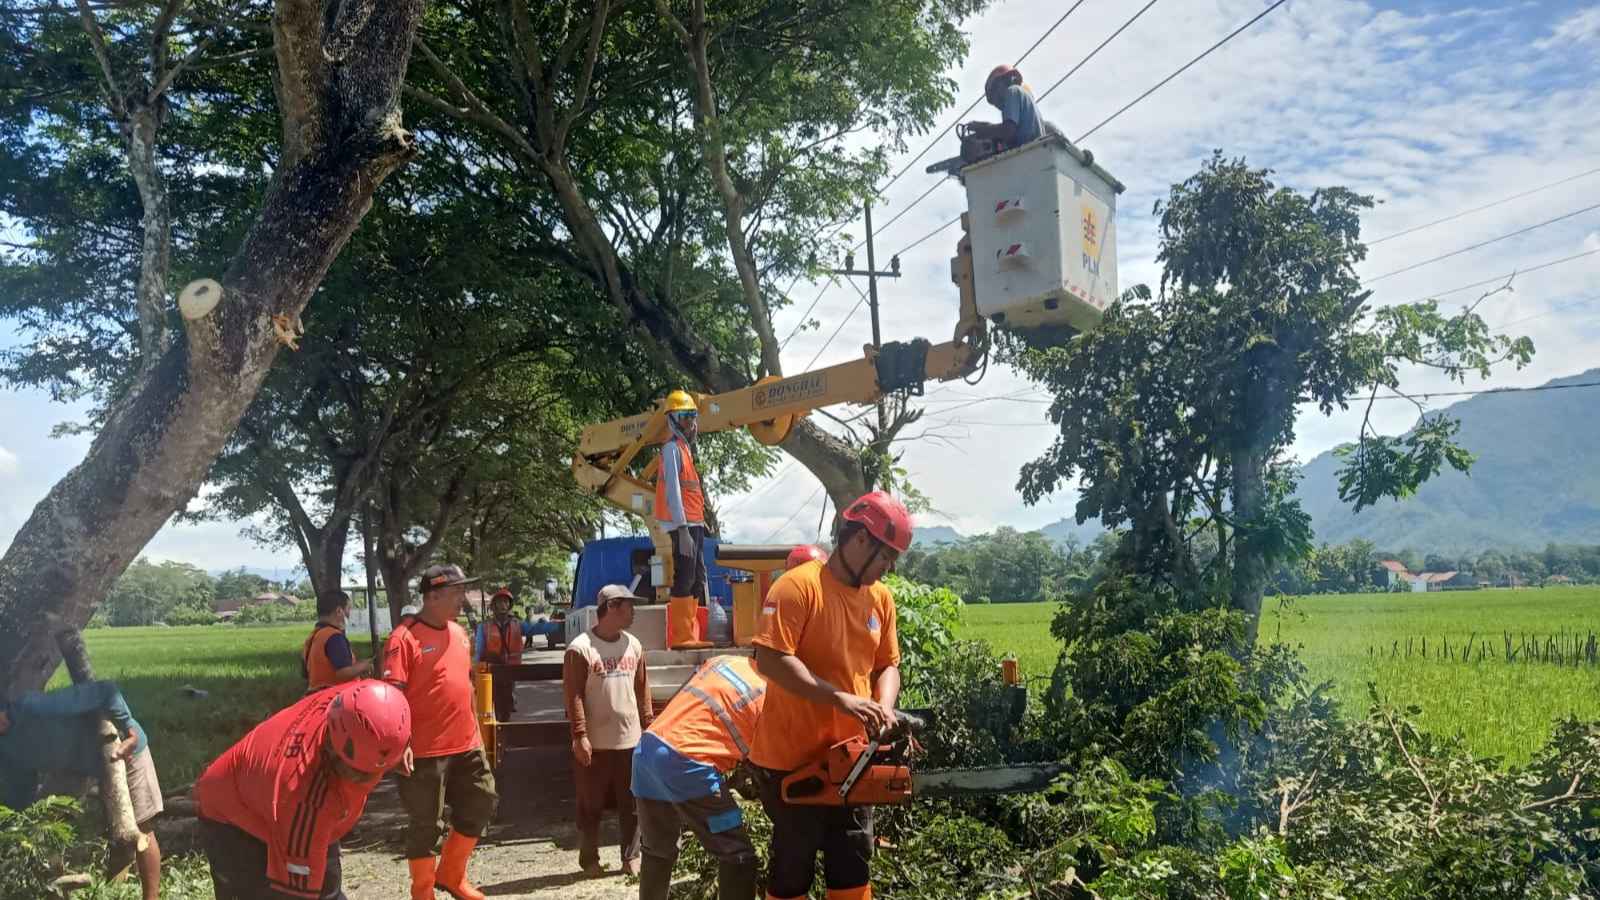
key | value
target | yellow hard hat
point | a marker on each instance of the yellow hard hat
(681, 401)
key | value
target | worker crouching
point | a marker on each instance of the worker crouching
(829, 651)
(680, 771)
(429, 659)
(274, 807)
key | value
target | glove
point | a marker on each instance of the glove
(683, 541)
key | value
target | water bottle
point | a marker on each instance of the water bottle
(719, 625)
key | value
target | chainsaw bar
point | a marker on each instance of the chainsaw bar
(986, 780)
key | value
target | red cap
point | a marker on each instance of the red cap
(885, 518)
(369, 724)
(805, 553)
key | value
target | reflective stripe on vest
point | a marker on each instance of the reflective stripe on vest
(722, 716)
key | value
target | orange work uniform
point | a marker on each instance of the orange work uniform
(843, 635)
(433, 666)
(324, 653)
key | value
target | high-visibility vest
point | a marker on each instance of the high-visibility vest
(713, 717)
(502, 643)
(689, 490)
(314, 663)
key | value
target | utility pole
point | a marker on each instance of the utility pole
(872, 274)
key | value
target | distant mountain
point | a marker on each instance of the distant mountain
(1058, 532)
(1536, 480)
(1063, 530)
(290, 573)
(926, 536)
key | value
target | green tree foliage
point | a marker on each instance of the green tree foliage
(149, 592)
(1006, 566)
(33, 847)
(1177, 412)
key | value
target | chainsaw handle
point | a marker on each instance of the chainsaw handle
(905, 725)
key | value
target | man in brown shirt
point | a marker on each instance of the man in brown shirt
(608, 704)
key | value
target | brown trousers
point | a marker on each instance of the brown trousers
(606, 780)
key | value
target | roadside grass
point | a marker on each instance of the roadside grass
(1502, 709)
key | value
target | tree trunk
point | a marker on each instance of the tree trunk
(325, 564)
(124, 838)
(342, 138)
(1250, 572)
(396, 581)
(834, 462)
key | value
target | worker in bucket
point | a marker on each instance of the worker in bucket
(1019, 116)
(681, 511)
(680, 777)
(326, 658)
(829, 651)
(59, 731)
(500, 640)
(430, 660)
(274, 806)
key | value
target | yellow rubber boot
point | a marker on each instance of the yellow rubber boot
(422, 877)
(453, 867)
(683, 624)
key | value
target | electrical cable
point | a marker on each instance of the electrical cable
(797, 511)
(1082, 62)
(1477, 209)
(1509, 275)
(1162, 83)
(1480, 244)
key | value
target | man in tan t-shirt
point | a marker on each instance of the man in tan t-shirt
(608, 704)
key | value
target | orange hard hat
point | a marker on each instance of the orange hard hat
(369, 725)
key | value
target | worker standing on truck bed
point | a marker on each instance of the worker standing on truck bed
(680, 771)
(326, 657)
(274, 806)
(60, 732)
(430, 659)
(829, 651)
(1019, 116)
(681, 511)
(608, 705)
(499, 643)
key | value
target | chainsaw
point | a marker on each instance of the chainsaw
(877, 771)
(973, 148)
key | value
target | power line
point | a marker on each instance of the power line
(787, 522)
(1494, 240)
(1085, 60)
(1551, 311)
(1162, 83)
(771, 486)
(919, 241)
(832, 280)
(846, 321)
(912, 205)
(1428, 395)
(1477, 209)
(1508, 275)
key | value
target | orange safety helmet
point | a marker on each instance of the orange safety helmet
(369, 725)
(1002, 71)
(803, 554)
(884, 517)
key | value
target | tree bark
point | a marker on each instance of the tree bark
(342, 137)
(125, 840)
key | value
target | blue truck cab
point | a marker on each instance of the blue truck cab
(619, 560)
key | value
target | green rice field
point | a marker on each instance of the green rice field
(1503, 709)
(247, 672)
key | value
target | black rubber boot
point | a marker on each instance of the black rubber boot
(736, 881)
(655, 877)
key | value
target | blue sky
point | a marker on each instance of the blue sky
(1433, 108)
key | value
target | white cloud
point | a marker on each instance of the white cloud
(8, 463)
(1581, 27)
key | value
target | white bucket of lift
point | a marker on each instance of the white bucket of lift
(1046, 215)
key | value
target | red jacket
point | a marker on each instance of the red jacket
(275, 785)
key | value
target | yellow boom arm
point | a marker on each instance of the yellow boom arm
(770, 407)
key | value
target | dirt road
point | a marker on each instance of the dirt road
(530, 851)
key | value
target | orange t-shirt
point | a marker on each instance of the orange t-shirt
(434, 668)
(843, 635)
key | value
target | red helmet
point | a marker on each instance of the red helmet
(805, 553)
(369, 725)
(1001, 71)
(503, 592)
(885, 518)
